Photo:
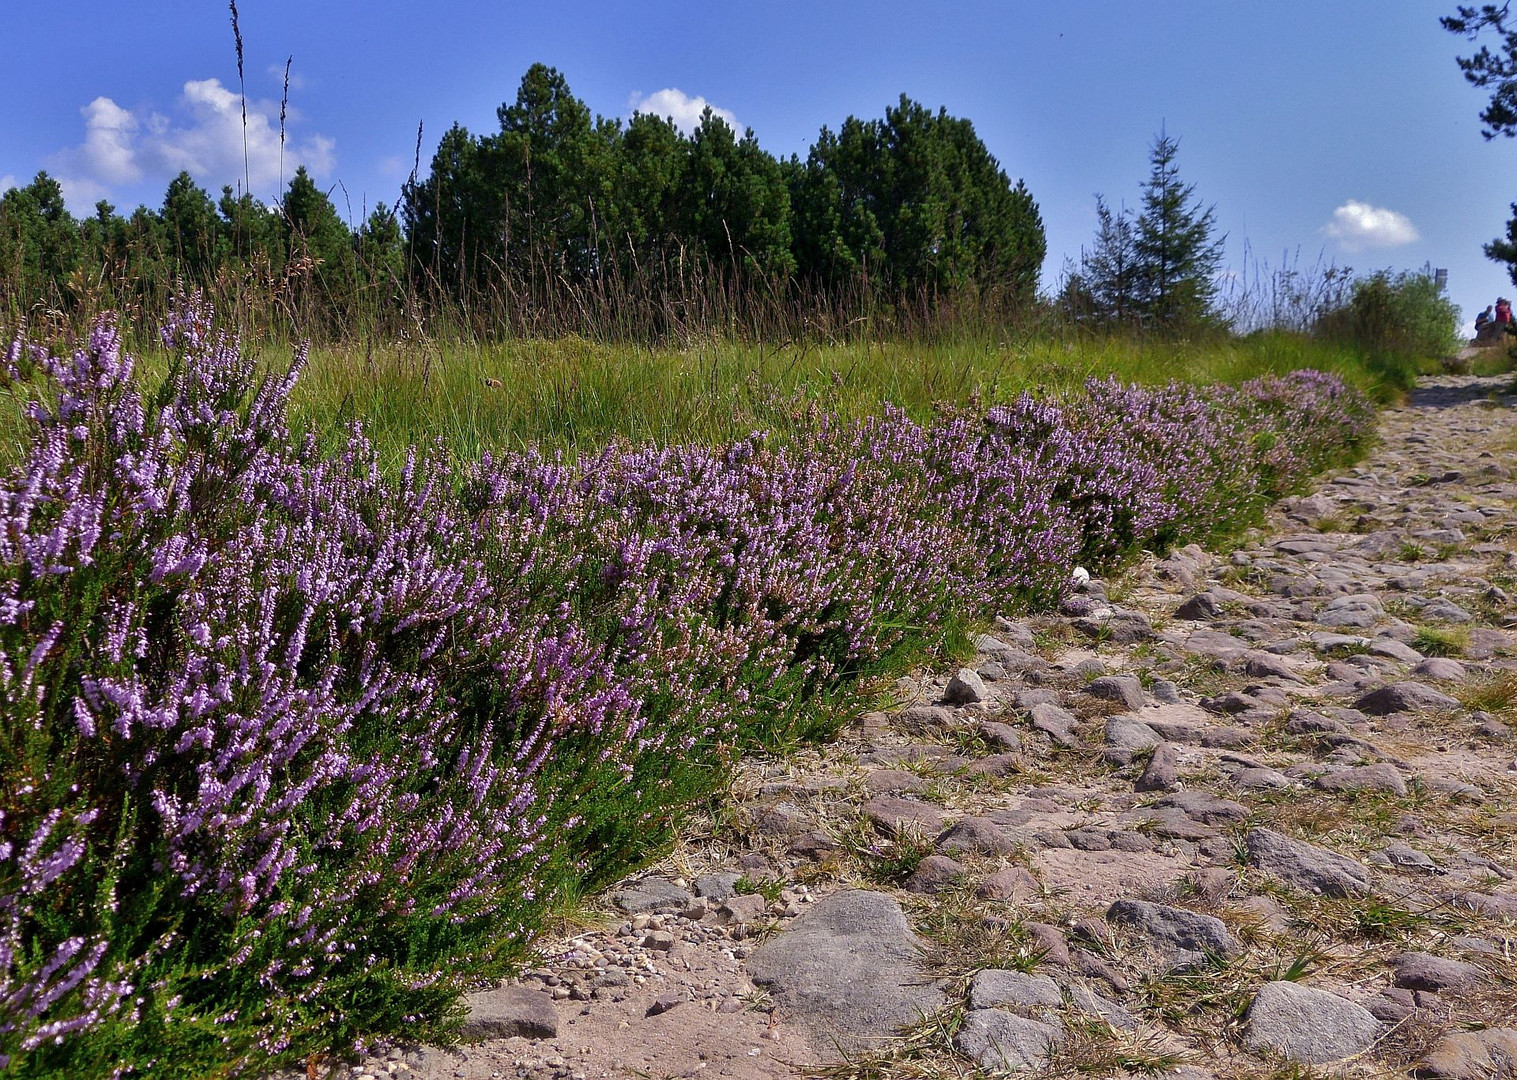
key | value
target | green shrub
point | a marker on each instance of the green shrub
(1397, 322)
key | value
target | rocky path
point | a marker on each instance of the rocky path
(1241, 815)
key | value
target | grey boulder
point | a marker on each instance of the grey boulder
(1473, 1055)
(1305, 866)
(935, 874)
(994, 987)
(1055, 721)
(977, 834)
(1382, 777)
(511, 1011)
(1404, 697)
(847, 971)
(1125, 689)
(718, 886)
(1125, 736)
(1440, 668)
(654, 894)
(1160, 774)
(1089, 1001)
(1187, 935)
(1002, 1041)
(965, 688)
(1308, 1025)
(1204, 807)
(1421, 971)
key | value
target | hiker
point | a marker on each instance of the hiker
(1483, 318)
(1503, 311)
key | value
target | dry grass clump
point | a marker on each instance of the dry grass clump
(1358, 821)
(967, 934)
(923, 1052)
(1497, 694)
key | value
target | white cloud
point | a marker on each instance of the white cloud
(1358, 226)
(109, 132)
(679, 107)
(6, 183)
(205, 138)
(81, 194)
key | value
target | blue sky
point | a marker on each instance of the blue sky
(1339, 128)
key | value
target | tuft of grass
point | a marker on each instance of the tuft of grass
(968, 934)
(923, 1052)
(1353, 822)
(889, 861)
(768, 888)
(1208, 997)
(1497, 694)
(1441, 641)
(1092, 1047)
(1343, 651)
(1363, 919)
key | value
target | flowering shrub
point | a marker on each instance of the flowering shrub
(294, 750)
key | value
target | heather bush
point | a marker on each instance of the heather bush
(295, 748)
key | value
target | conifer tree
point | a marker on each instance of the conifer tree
(734, 201)
(1497, 72)
(918, 202)
(381, 249)
(1110, 273)
(317, 232)
(1494, 71)
(191, 228)
(39, 240)
(1177, 257)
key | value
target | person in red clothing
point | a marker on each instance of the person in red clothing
(1503, 311)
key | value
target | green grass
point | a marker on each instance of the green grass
(1440, 641)
(577, 396)
(1410, 552)
(1493, 361)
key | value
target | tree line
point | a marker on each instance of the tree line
(560, 204)
(298, 251)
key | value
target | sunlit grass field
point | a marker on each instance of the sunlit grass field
(575, 395)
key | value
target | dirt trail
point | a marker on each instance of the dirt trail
(1225, 813)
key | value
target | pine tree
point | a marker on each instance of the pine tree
(734, 202)
(1497, 72)
(651, 163)
(918, 202)
(1177, 257)
(252, 233)
(551, 175)
(317, 232)
(1110, 274)
(1503, 249)
(39, 239)
(380, 247)
(1494, 71)
(448, 217)
(191, 228)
